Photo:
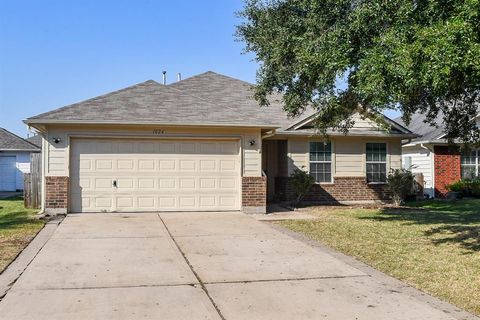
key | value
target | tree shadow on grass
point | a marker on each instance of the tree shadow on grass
(456, 222)
(15, 218)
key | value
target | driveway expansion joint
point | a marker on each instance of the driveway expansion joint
(202, 285)
(114, 287)
(288, 279)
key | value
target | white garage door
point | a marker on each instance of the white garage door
(7, 173)
(154, 175)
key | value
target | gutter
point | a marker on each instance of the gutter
(432, 165)
(21, 150)
(349, 134)
(32, 122)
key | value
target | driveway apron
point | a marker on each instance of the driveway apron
(108, 266)
(200, 266)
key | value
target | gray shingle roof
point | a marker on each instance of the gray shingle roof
(417, 125)
(36, 140)
(11, 142)
(206, 99)
(425, 130)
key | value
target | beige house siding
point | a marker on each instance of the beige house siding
(297, 154)
(348, 154)
(363, 124)
(56, 157)
(349, 160)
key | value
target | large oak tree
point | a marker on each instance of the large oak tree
(339, 55)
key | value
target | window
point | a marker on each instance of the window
(470, 164)
(407, 163)
(376, 162)
(321, 161)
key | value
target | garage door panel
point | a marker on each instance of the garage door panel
(175, 176)
(125, 164)
(187, 165)
(146, 183)
(167, 203)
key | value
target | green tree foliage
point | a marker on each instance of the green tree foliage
(341, 55)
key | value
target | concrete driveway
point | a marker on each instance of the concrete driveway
(201, 266)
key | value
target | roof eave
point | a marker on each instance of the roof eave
(349, 134)
(33, 122)
(21, 150)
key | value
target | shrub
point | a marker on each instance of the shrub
(400, 184)
(301, 184)
(458, 186)
(468, 187)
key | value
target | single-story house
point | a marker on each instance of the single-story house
(14, 160)
(202, 144)
(440, 163)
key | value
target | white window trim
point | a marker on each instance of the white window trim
(475, 165)
(332, 160)
(387, 161)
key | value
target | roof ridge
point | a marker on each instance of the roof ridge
(211, 72)
(207, 99)
(18, 137)
(96, 98)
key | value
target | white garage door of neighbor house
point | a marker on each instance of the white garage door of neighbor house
(154, 175)
(7, 173)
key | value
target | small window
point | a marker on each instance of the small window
(376, 162)
(321, 161)
(407, 163)
(470, 164)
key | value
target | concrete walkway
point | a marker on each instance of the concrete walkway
(201, 266)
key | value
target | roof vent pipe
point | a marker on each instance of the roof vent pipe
(179, 76)
(164, 77)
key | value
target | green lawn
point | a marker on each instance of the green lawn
(434, 245)
(18, 226)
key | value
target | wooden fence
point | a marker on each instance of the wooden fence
(32, 182)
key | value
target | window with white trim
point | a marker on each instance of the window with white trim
(470, 164)
(321, 161)
(376, 162)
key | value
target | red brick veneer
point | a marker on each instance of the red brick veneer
(254, 191)
(446, 168)
(56, 193)
(342, 189)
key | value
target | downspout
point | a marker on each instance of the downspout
(432, 167)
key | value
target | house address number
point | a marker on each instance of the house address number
(158, 131)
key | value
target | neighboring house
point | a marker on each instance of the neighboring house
(201, 144)
(14, 160)
(440, 163)
(36, 140)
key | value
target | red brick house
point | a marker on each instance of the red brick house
(440, 163)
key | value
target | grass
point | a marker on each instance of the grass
(432, 245)
(18, 226)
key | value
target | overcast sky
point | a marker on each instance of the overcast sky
(54, 53)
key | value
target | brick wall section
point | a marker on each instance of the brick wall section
(342, 189)
(446, 168)
(56, 192)
(254, 191)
